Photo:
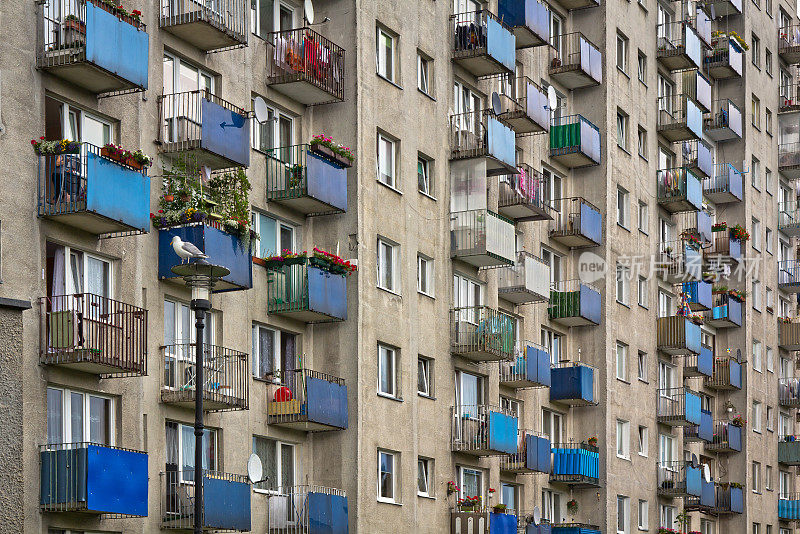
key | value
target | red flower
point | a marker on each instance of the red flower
(160, 211)
(42, 138)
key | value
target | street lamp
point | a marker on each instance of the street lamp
(201, 276)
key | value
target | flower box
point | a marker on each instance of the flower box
(330, 155)
(130, 162)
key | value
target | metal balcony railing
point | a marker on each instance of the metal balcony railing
(291, 400)
(482, 233)
(517, 373)
(574, 52)
(727, 437)
(789, 42)
(789, 333)
(178, 495)
(676, 406)
(479, 134)
(574, 384)
(679, 118)
(724, 122)
(789, 274)
(310, 184)
(789, 392)
(788, 155)
(679, 190)
(677, 335)
(93, 332)
(679, 261)
(725, 184)
(482, 333)
(226, 376)
(471, 33)
(725, 58)
(673, 478)
(724, 247)
(525, 280)
(303, 55)
(576, 464)
(789, 217)
(181, 118)
(696, 155)
(228, 17)
(524, 194)
(302, 509)
(518, 462)
(523, 104)
(471, 430)
(789, 95)
(578, 220)
(679, 45)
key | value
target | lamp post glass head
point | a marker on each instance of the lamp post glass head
(201, 276)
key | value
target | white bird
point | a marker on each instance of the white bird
(186, 250)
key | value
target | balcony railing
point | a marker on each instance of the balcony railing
(724, 122)
(679, 261)
(789, 160)
(678, 479)
(730, 500)
(789, 392)
(789, 44)
(576, 62)
(698, 157)
(92, 192)
(677, 335)
(706, 502)
(679, 46)
(530, 367)
(93, 334)
(726, 375)
(727, 437)
(479, 135)
(85, 43)
(483, 430)
(698, 294)
(789, 450)
(522, 196)
(305, 66)
(695, 224)
(700, 364)
(725, 59)
(789, 506)
(723, 8)
(523, 105)
(482, 44)
(789, 333)
(679, 190)
(679, 118)
(209, 26)
(577, 223)
(574, 384)
(226, 377)
(532, 456)
(576, 464)
(726, 311)
(216, 132)
(726, 184)
(93, 478)
(308, 400)
(303, 180)
(226, 500)
(723, 249)
(574, 142)
(527, 281)
(307, 293)
(480, 333)
(789, 218)
(789, 276)
(573, 528)
(528, 19)
(697, 87)
(307, 508)
(789, 92)
(482, 238)
(573, 303)
(678, 407)
(702, 432)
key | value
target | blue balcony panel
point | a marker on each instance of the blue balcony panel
(502, 523)
(732, 500)
(725, 186)
(726, 313)
(724, 123)
(576, 465)
(322, 189)
(528, 19)
(707, 494)
(677, 335)
(575, 529)
(789, 509)
(94, 479)
(573, 384)
(679, 190)
(698, 157)
(327, 403)
(226, 503)
(682, 49)
(530, 370)
(483, 45)
(541, 528)
(327, 513)
(699, 293)
(699, 365)
(226, 134)
(502, 432)
(706, 428)
(732, 434)
(307, 294)
(223, 248)
(537, 453)
(501, 147)
(537, 368)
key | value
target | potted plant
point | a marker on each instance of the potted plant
(296, 175)
(719, 227)
(451, 487)
(738, 421)
(62, 146)
(737, 485)
(572, 506)
(469, 504)
(592, 441)
(739, 233)
(325, 147)
(499, 508)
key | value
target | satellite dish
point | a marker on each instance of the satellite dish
(537, 515)
(552, 99)
(706, 473)
(496, 106)
(254, 469)
(694, 460)
(309, 9)
(260, 108)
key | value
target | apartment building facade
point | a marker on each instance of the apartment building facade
(573, 227)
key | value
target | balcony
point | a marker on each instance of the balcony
(576, 464)
(224, 248)
(574, 304)
(707, 502)
(211, 28)
(789, 160)
(695, 226)
(94, 479)
(727, 438)
(574, 384)
(679, 46)
(679, 261)
(789, 93)
(306, 181)
(723, 8)
(82, 42)
(725, 186)
(525, 108)
(700, 364)
(679, 118)
(725, 59)
(93, 334)
(530, 368)
(307, 292)
(93, 193)
(697, 87)
(468, 521)
(677, 335)
(529, 21)
(724, 123)
(576, 62)
(226, 500)
(698, 157)
(481, 137)
(574, 142)
(214, 131)
(730, 499)
(679, 190)
(726, 375)
(525, 282)
(789, 333)
(789, 44)
(789, 276)
(789, 392)
(307, 509)
(789, 451)
(532, 456)
(698, 294)
(482, 334)
(482, 44)
(302, 399)
(522, 196)
(678, 407)
(482, 238)
(724, 249)
(571, 528)
(702, 432)
(577, 223)
(789, 507)
(789, 218)
(305, 66)
(483, 430)
(226, 377)
(678, 479)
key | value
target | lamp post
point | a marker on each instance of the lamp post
(201, 276)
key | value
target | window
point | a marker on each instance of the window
(273, 351)
(755, 171)
(75, 417)
(667, 515)
(387, 44)
(425, 275)
(622, 53)
(424, 178)
(554, 261)
(756, 51)
(664, 304)
(756, 475)
(768, 121)
(644, 524)
(387, 152)
(768, 239)
(274, 236)
(623, 514)
(666, 448)
(470, 390)
(511, 406)
(642, 143)
(622, 207)
(756, 528)
(756, 231)
(768, 59)
(386, 476)
(622, 130)
(622, 361)
(387, 371)
(388, 265)
(556, 31)
(784, 425)
(65, 121)
(768, 181)
(623, 439)
(768, 478)
(424, 67)
(784, 484)
(623, 284)
(707, 526)
(644, 292)
(641, 364)
(552, 425)
(756, 355)
(551, 506)
(552, 342)
(508, 495)
(756, 111)
(642, 67)
(470, 482)
(770, 362)
(769, 299)
(276, 132)
(278, 460)
(644, 435)
(424, 472)
(644, 217)
(180, 441)
(552, 185)
(179, 335)
(72, 271)
(756, 415)
(756, 285)
(425, 376)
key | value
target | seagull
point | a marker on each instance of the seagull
(186, 250)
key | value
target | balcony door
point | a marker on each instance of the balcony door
(64, 121)
(553, 426)
(180, 465)
(179, 350)
(181, 108)
(470, 482)
(275, 354)
(78, 417)
(467, 121)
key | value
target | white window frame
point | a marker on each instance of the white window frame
(424, 468)
(279, 444)
(385, 248)
(623, 439)
(424, 165)
(257, 219)
(621, 355)
(424, 64)
(757, 415)
(624, 502)
(388, 355)
(386, 50)
(644, 438)
(81, 117)
(641, 366)
(623, 284)
(461, 471)
(393, 473)
(425, 275)
(386, 165)
(643, 292)
(425, 369)
(622, 52)
(643, 513)
(85, 409)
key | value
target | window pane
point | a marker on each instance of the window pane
(99, 420)
(55, 417)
